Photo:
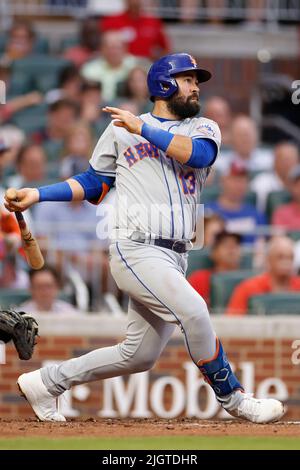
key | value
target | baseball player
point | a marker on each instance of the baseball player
(158, 162)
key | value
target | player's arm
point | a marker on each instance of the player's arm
(194, 152)
(87, 185)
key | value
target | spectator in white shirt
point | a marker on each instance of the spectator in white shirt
(286, 157)
(244, 148)
(44, 287)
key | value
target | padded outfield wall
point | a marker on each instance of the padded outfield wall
(265, 351)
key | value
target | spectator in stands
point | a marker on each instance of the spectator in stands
(3, 150)
(213, 224)
(143, 33)
(288, 215)
(17, 103)
(286, 157)
(135, 89)
(77, 151)
(278, 277)
(69, 85)
(89, 41)
(44, 287)
(31, 166)
(20, 40)
(226, 256)
(113, 65)
(11, 139)
(216, 11)
(91, 104)
(10, 238)
(240, 217)
(218, 109)
(244, 148)
(61, 116)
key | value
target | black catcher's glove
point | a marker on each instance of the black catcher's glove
(21, 329)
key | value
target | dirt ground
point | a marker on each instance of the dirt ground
(12, 428)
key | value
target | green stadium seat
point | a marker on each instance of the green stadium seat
(223, 284)
(210, 194)
(68, 42)
(294, 235)
(13, 297)
(53, 149)
(19, 85)
(31, 119)
(42, 69)
(199, 259)
(275, 304)
(275, 199)
(41, 44)
(247, 260)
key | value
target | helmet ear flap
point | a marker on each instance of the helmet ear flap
(168, 86)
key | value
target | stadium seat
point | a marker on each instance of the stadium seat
(31, 119)
(199, 259)
(294, 235)
(10, 298)
(42, 69)
(275, 304)
(222, 286)
(275, 199)
(13, 297)
(247, 260)
(53, 149)
(19, 85)
(68, 42)
(41, 44)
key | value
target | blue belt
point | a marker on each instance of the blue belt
(179, 246)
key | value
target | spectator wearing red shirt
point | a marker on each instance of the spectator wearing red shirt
(144, 34)
(226, 256)
(288, 215)
(279, 277)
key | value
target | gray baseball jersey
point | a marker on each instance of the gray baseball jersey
(155, 193)
(164, 195)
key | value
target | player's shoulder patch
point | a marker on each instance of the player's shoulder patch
(206, 127)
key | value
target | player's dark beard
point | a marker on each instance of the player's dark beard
(183, 107)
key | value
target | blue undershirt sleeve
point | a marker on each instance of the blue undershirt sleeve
(204, 153)
(95, 187)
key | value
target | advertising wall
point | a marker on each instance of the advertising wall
(265, 352)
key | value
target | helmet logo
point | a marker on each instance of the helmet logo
(193, 60)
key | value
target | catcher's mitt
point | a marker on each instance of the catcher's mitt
(21, 329)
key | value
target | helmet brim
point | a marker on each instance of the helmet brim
(202, 74)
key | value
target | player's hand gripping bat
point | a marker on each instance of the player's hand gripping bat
(31, 248)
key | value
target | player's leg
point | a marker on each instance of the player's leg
(156, 278)
(146, 337)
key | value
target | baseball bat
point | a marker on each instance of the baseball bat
(31, 248)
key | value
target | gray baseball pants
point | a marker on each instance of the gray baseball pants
(160, 298)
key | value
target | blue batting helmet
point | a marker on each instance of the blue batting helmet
(161, 81)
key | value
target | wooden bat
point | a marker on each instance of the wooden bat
(31, 248)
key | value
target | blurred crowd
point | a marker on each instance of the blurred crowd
(49, 125)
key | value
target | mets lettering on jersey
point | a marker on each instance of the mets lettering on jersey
(140, 151)
(164, 193)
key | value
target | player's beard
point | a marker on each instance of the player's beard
(183, 107)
